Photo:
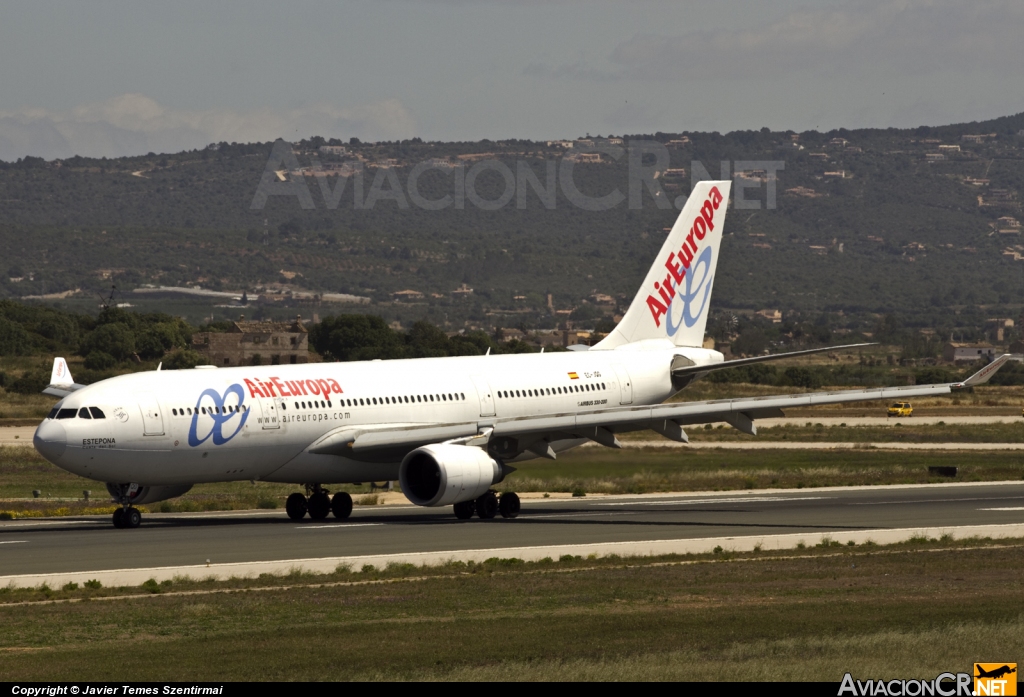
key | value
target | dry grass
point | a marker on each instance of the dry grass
(909, 610)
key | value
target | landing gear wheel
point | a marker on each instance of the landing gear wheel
(464, 510)
(132, 518)
(508, 505)
(341, 505)
(119, 518)
(319, 505)
(296, 506)
(487, 506)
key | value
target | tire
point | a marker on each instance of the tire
(509, 505)
(341, 505)
(487, 506)
(319, 506)
(463, 510)
(296, 506)
(119, 518)
(132, 518)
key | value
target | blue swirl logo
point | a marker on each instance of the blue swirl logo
(218, 412)
(688, 294)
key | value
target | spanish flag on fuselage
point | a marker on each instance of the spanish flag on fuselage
(574, 376)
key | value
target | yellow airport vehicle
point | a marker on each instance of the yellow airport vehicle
(900, 409)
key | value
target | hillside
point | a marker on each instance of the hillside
(919, 223)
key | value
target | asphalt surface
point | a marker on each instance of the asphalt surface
(92, 544)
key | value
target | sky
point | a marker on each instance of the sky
(113, 78)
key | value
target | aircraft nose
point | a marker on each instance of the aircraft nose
(51, 440)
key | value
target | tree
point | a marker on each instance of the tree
(115, 339)
(355, 338)
(752, 342)
(14, 341)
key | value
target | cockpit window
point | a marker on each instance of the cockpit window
(67, 413)
(97, 413)
(83, 413)
(53, 414)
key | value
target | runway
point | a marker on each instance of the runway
(251, 542)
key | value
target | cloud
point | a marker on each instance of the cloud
(133, 124)
(858, 38)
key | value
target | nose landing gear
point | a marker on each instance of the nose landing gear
(127, 516)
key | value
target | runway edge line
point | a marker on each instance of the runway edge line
(743, 543)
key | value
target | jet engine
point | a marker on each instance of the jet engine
(138, 494)
(443, 474)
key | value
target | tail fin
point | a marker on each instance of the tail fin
(673, 301)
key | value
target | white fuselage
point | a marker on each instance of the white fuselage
(224, 424)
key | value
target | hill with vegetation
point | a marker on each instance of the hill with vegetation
(915, 224)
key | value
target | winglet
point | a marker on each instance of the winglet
(983, 375)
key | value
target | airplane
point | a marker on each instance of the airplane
(447, 429)
(995, 672)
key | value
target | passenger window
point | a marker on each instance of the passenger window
(83, 413)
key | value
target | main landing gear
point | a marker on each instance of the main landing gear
(489, 505)
(318, 504)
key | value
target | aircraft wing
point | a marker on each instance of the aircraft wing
(668, 419)
(510, 437)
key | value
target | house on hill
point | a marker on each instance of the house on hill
(954, 352)
(255, 343)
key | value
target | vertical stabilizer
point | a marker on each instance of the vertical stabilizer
(673, 300)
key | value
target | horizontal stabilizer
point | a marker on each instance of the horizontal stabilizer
(983, 375)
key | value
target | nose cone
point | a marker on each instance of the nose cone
(50, 440)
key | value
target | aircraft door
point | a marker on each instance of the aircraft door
(625, 384)
(152, 416)
(270, 418)
(485, 394)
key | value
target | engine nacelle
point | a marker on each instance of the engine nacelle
(442, 474)
(138, 495)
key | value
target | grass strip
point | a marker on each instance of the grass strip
(807, 615)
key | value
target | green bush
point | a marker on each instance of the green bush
(30, 383)
(99, 360)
